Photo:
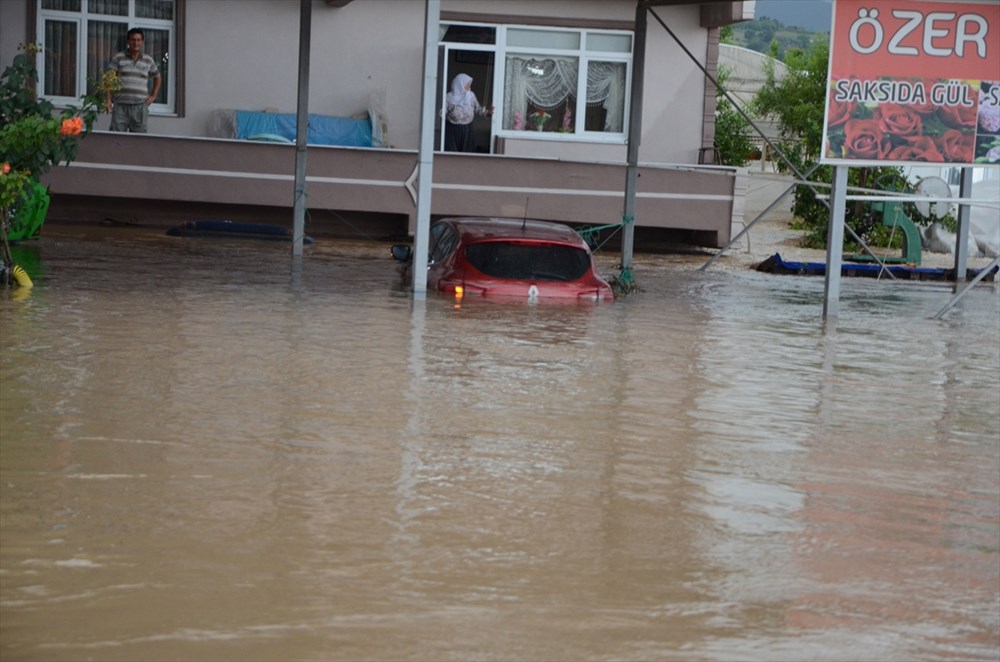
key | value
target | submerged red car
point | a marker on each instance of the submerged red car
(499, 257)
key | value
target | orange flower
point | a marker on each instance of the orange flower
(72, 126)
(5, 168)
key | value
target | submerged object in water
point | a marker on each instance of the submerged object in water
(233, 229)
(776, 265)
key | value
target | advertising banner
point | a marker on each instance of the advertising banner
(913, 81)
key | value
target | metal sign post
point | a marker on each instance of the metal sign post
(835, 242)
(964, 219)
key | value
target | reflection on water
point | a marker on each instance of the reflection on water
(210, 454)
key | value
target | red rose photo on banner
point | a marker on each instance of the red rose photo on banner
(913, 81)
(903, 132)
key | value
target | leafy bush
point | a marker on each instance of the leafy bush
(33, 139)
(733, 134)
(798, 101)
(860, 216)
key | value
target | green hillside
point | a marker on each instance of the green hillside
(758, 34)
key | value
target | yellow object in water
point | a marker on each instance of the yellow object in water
(21, 277)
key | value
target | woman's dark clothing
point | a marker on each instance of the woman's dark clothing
(459, 138)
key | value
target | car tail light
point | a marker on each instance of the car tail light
(460, 289)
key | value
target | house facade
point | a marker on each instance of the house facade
(559, 73)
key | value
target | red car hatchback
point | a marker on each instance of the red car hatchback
(498, 257)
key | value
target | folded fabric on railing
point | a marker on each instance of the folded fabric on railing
(323, 129)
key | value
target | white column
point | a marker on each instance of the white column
(432, 18)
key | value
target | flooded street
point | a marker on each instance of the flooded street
(208, 455)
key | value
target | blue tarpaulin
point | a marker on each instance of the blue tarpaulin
(323, 129)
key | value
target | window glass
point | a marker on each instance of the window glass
(61, 5)
(469, 34)
(109, 7)
(157, 44)
(103, 37)
(551, 39)
(520, 261)
(446, 240)
(76, 50)
(605, 97)
(159, 9)
(564, 82)
(609, 43)
(540, 93)
(434, 237)
(60, 58)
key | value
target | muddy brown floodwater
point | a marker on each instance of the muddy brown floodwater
(207, 454)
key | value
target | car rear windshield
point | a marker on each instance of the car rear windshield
(514, 260)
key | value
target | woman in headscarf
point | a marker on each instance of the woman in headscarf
(461, 108)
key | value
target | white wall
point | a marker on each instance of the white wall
(372, 45)
(13, 16)
(244, 54)
(675, 87)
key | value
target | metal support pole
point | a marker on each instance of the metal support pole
(761, 215)
(962, 241)
(983, 273)
(432, 17)
(301, 129)
(634, 135)
(771, 145)
(835, 242)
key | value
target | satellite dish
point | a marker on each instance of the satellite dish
(933, 187)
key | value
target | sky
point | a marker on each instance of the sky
(812, 15)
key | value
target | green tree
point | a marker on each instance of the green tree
(732, 131)
(798, 101)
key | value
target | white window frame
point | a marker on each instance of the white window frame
(81, 18)
(584, 56)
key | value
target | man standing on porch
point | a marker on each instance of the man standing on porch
(130, 107)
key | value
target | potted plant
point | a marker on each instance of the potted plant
(34, 139)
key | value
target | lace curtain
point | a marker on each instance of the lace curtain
(548, 83)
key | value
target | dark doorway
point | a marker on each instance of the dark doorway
(479, 65)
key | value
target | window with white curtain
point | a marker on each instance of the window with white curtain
(79, 37)
(570, 82)
(561, 83)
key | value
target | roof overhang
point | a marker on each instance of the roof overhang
(714, 13)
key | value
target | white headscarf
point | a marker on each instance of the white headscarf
(459, 96)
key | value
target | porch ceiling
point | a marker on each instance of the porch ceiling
(654, 3)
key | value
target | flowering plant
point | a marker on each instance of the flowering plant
(539, 118)
(32, 139)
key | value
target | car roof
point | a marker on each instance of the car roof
(479, 229)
